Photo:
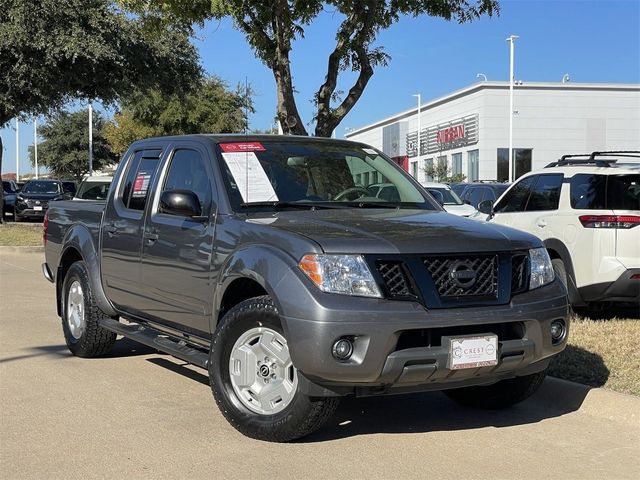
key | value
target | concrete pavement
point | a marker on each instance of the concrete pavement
(139, 414)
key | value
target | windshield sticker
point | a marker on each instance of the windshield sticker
(242, 147)
(141, 184)
(370, 151)
(252, 180)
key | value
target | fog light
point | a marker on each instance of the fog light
(342, 349)
(557, 330)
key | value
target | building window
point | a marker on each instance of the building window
(414, 169)
(521, 158)
(473, 167)
(428, 168)
(456, 164)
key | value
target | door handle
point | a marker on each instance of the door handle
(541, 223)
(111, 229)
(151, 235)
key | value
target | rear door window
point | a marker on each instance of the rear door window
(139, 178)
(545, 195)
(588, 192)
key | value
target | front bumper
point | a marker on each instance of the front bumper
(384, 362)
(30, 212)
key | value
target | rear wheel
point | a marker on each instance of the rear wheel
(80, 316)
(499, 395)
(254, 381)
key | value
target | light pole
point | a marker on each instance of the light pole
(566, 78)
(419, 127)
(35, 143)
(511, 41)
(17, 151)
(90, 139)
(484, 77)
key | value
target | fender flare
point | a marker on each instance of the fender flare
(263, 264)
(79, 238)
(563, 252)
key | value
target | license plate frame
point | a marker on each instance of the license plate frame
(37, 208)
(472, 351)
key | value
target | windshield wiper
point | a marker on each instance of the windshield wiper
(281, 204)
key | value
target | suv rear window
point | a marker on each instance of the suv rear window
(612, 192)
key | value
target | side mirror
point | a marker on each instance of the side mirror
(486, 206)
(183, 203)
(437, 196)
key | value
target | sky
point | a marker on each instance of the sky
(594, 41)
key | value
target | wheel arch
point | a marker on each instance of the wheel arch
(250, 272)
(557, 249)
(79, 245)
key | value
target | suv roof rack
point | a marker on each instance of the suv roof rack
(590, 158)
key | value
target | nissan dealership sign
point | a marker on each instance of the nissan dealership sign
(444, 136)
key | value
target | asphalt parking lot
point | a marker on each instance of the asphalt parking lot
(140, 414)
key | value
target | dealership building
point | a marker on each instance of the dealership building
(469, 128)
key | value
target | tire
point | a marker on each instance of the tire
(502, 394)
(295, 415)
(560, 271)
(80, 315)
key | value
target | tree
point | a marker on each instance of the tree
(272, 27)
(65, 149)
(52, 51)
(441, 172)
(209, 107)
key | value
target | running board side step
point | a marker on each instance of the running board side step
(158, 340)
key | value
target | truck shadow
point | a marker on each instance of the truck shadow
(433, 411)
(122, 348)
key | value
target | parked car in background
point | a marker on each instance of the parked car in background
(94, 188)
(587, 212)
(10, 190)
(477, 192)
(70, 187)
(33, 200)
(385, 191)
(450, 201)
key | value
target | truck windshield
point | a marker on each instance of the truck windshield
(272, 174)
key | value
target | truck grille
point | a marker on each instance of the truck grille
(519, 273)
(464, 276)
(394, 278)
(444, 281)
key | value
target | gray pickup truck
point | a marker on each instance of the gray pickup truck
(268, 261)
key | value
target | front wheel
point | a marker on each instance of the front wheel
(499, 395)
(254, 381)
(80, 316)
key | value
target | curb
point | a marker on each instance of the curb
(32, 249)
(593, 401)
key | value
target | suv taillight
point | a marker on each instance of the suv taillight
(609, 221)
(45, 225)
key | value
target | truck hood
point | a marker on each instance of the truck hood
(40, 196)
(384, 231)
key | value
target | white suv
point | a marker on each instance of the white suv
(587, 212)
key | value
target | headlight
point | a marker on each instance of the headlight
(541, 268)
(344, 274)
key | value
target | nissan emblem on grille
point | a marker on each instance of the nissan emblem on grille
(462, 275)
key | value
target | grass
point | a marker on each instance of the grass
(602, 353)
(20, 234)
